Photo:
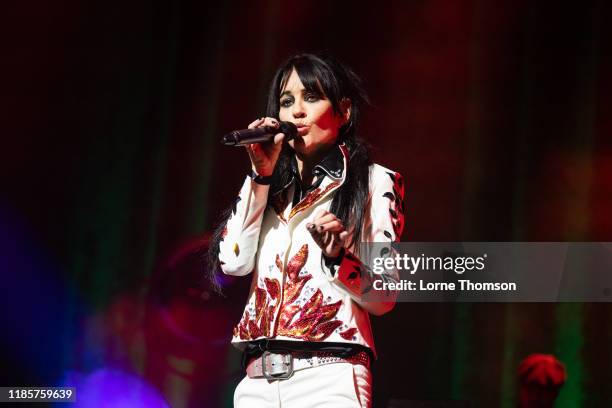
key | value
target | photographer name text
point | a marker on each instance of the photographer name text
(461, 284)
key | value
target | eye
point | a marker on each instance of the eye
(286, 102)
(311, 97)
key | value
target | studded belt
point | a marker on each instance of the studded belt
(280, 366)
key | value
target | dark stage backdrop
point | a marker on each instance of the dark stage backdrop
(496, 113)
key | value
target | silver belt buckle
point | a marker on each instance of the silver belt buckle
(276, 366)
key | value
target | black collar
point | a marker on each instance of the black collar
(332, 165)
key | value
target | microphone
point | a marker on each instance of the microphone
(259, 135)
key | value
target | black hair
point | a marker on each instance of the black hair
(322, 74)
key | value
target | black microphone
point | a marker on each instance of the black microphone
(259, 135)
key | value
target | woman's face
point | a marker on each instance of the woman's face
(313, 115)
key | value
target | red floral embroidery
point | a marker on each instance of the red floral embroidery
(287, 315)
(273, 287)
(297, 262)
(254, 330)
(260, 302)
(314, 320)
(243, 331)
(265, 320)
(294, 288)
(260, 325)
(249, 328)
(311, 322)
(323, 330)
(311, 198)
(348, 334)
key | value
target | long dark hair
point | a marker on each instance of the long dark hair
(321, 74)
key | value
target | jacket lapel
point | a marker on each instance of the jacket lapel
(329, 185)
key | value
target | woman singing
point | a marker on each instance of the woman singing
(296, 226)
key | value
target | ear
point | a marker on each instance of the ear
(345, 107)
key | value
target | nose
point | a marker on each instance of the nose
(298, 110)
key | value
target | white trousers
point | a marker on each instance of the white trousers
(336, 385)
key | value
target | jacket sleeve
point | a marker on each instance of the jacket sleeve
(240, 239)
(384, 223)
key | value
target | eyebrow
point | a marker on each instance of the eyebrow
(288, 93)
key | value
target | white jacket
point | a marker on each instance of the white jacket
(293, 295)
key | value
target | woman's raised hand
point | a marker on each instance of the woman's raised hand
(328, 232)
(264, 155)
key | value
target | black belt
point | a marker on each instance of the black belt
(256, 348)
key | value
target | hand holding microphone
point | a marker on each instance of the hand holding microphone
(260, 133)
(263, 141)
